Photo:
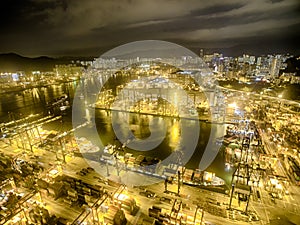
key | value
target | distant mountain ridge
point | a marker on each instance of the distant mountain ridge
(12, 62)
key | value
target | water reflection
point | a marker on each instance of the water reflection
(33, 100)
(171, 141)
(174, 133)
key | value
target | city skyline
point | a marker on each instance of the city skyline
(56, 28)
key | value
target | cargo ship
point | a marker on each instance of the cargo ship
(149, 166)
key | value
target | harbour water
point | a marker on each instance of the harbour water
(34, 100)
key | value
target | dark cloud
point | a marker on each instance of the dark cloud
(276, 1)
(75, 27)
(216, 9)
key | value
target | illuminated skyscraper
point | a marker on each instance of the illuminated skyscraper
(201, 53)
(275, 66)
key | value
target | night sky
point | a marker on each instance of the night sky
(90, 27)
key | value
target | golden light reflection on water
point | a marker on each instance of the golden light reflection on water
(174, 132)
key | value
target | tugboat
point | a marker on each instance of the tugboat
(58, 106)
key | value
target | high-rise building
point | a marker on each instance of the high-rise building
(258, 62)
(275, 66)
(252, 59)
(201, 54)
(246, 58)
